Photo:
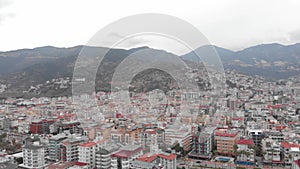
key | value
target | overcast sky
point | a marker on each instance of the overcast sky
(233, 24)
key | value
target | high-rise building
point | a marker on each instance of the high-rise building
(225, 141)
(54, 146)
(103, 156)
(69, 147)
(202, 146)
(87, 154)
(33, 154)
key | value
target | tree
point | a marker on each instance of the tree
(13, 141)
(235, 148)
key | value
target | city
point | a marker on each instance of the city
(253, 126)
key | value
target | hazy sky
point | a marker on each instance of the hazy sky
(233, 24)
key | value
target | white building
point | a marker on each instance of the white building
(87, 154)
(179, 134)
(271, 151)
(33, 154)
(103, 156)
(290, 152)
(69, 147)
(245, 151)
(125, 156)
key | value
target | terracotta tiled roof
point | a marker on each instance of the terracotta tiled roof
(245, 142)
(289, 145)
(126, 153)
(226, 134)
(88, 144)
(155, 156)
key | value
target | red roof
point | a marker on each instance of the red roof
(238, 118)
(147, 159)
(168, 157)
(226, 134)
(66, 116)
(81, 164)
(151, 132)
(280, 127)
(245, 142)
(289, 145)
(88, 144)
(126, 153)
(153, 157)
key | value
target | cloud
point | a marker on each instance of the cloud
(294, 36)
(126, 42)
(5, 3)
(5, 15)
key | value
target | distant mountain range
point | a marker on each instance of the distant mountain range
(272, 61)
(28, 67)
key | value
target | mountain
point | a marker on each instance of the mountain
(43, 76)
(37, 71)
(272, 61)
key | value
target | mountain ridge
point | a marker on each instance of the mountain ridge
(24, 68)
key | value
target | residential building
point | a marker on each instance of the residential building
(290, 152)
(256, 135)
(179, 134)
(69, 147)
(156, 160)
(271, 151)
(245, 152)
(54, 146)
(125, 156)
(225, 141)
(154, 136)
(40, 126)
(103, 156)
(33, 154)
(202, 145)
(87, 154)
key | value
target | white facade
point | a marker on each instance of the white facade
(33, 156)
(87, 154)
(271, 150)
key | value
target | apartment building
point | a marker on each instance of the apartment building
(69, 147)
(202, 146)
(103, 156)
(125, 156)
(87, 154)
(33, 154)
(245, 152)
(156, 160)
(179, 134)
(225, 141)
(271, 151)
(290, 152)
(54, 146)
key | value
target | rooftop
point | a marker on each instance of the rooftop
(245, 142)
(151, 158)
(126, 153)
